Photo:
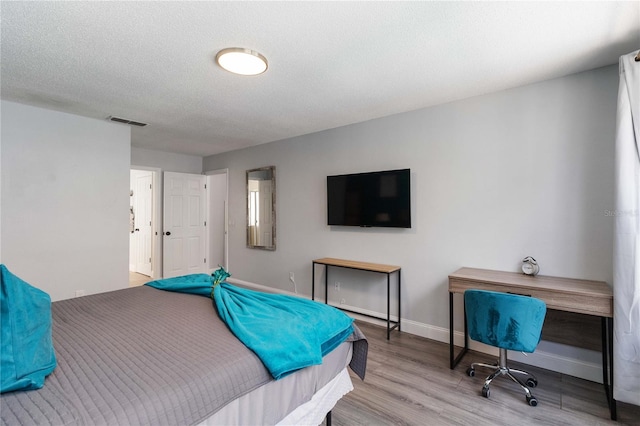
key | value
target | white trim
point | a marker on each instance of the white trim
(226, 213)
(156, 241)
(260, 287)
(540, 358)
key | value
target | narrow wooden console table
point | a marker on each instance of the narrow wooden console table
(363, 266)
(563, 294)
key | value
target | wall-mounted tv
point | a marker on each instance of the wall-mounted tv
(380, 199)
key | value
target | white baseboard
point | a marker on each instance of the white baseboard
(259, 287)
(577, 367)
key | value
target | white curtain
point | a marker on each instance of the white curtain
(626, 256)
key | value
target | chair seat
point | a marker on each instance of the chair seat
(508, 322)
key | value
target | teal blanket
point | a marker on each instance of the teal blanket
(25, 334)
(286, 332)
(200, 284)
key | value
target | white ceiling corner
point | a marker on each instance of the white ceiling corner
(330, 63)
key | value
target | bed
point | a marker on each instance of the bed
(147, 356)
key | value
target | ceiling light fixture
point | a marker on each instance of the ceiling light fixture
(241, 61)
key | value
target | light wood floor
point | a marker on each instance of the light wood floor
(136, 279)
(408, 382)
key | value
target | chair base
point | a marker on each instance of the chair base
(501, 369)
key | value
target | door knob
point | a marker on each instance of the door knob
(167, 233)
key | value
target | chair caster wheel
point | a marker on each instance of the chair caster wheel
(471, 372)
(532, 401)
(486, 392)
(531, 382)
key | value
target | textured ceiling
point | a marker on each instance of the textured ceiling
(330, 63)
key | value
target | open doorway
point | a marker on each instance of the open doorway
(142, 226)
(216, 223)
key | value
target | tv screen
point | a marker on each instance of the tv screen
(381, 199)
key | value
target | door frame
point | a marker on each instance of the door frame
(226, 214)
(156, 219)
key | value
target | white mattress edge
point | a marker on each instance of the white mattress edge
(278, 399)
(314, 411)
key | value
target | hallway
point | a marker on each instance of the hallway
(136, 279)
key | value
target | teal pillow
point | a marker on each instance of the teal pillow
(25, 322)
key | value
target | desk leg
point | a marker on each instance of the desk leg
(313, 281)
(607, 364)
(388, 306)
(326, 284)
(399, 280)
(454, 360)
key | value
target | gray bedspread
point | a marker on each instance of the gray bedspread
(142, 356)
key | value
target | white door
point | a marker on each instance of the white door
(142, 209)
(184, 233)
(216, 225)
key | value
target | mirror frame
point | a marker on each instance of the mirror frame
(272, 169)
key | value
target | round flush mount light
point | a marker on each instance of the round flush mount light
(239, 60)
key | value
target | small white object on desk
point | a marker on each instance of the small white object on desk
(530, 266)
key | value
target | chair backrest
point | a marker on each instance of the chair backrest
(504, 320)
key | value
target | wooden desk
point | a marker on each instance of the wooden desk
(563, 294)
(363, 266)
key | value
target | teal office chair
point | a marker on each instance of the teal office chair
(508, 322)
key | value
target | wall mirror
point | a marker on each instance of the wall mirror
(261, 208)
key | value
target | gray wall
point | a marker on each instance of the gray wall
(528, 171)
(166, 161)
(65, 200)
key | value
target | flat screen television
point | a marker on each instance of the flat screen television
(376, 199)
